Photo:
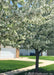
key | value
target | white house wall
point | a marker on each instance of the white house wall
(7, 52)
(44, 53)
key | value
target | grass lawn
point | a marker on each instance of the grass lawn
(46, 69)
(8, 65)
(41, 57)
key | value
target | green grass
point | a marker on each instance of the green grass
(47, 58)
(41, 57)
(8, 65)
(46, 69)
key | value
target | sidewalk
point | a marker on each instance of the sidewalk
(44, 63)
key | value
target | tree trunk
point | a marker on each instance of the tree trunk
(17, 53)
(0, 47)
(37, 61)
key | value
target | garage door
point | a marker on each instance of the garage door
(7, 53)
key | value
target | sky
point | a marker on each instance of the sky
(17, 4)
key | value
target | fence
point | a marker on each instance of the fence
(50, 52)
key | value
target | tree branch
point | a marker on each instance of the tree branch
(34, 47)
(40, 51)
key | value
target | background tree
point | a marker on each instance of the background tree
(11, 24)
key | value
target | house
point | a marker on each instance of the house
(10, 52)
(31, 52)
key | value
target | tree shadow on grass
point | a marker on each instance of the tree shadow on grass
(41, 70)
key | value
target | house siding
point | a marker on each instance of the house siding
(7, 52)
(10, 52)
